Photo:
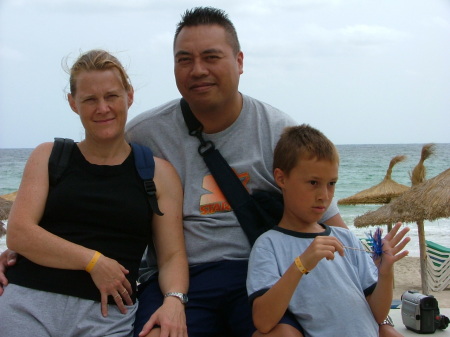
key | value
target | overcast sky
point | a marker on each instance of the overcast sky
(362, 71)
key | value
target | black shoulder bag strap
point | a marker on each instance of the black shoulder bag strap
(145, 165)
(250, 216)
(59, 159)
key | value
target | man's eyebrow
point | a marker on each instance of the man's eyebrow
(212, 51)
(205, 52)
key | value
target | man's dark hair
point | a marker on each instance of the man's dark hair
(209, 16)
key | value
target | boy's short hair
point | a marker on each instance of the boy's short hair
(302, 142)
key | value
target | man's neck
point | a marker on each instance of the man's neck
(217, 118)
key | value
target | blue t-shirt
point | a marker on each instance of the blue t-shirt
(330, 300)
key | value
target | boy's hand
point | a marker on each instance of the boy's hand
(393, 244)
(321, 247)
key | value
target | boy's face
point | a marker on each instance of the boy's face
(307, 190)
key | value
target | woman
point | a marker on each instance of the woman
(81, 241)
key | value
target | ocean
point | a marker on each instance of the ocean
(362, 166)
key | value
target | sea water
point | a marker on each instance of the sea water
(361, 167)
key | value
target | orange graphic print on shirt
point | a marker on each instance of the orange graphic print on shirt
(215, 201)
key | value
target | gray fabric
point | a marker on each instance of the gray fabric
(330, 300)
(247, 145)
(29, 312)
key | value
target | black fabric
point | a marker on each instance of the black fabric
(100, 207)
(256, 213)
(59, 159)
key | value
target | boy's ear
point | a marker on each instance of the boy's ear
(279, 177)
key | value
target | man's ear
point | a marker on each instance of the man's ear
(279, 177)
(72, 104)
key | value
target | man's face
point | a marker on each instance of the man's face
(206, 68)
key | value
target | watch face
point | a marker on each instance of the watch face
(184, 298)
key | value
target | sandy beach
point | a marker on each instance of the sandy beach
(407, 277)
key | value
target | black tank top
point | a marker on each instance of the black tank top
(101, 207)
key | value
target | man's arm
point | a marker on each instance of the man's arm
(7, 259)
(336, 221)
(168, 238)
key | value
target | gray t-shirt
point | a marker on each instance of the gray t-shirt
(212, 232)
(330, 300)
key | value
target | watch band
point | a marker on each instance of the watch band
(182, 297)
(387, 321)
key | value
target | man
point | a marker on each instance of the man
(208, 64)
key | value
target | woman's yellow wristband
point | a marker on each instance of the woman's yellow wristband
(93, 261)
(300, 266)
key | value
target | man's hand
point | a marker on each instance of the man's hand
(7, 259)
(170, 317)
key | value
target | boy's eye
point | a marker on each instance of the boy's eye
(313, 182)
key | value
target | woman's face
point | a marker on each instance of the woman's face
(102, 103)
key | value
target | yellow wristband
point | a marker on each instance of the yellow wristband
(93, 261)
(300, 266)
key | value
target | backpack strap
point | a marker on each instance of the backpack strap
(59, 159)
(145, 165)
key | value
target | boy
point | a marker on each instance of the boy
(344, 294)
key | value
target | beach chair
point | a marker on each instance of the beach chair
(438, 266)
(366, 244)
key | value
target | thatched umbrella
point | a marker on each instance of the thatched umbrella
(9, 196)
(381, 193)
(5, 206)
(6, 202)
(419, 172)
(429, 200)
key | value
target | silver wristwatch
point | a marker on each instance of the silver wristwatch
(387, 321)
(183, 297)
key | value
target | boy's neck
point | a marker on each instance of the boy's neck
(301, 227)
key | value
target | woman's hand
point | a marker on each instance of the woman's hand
(109, 277)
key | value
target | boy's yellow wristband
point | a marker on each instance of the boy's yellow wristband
(300, 266)
(93, 261)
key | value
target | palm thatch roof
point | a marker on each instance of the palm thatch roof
(419, 172)
(9, 196)
(429, 200)
(5, 206)
(381, 193)
(6, 202)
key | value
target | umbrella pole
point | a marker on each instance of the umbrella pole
(389, 228)
(423, 257)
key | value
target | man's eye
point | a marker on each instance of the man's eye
(183, 60)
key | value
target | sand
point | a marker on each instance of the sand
(407, 277)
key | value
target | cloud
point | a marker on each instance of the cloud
(365, 35)
(7, 53)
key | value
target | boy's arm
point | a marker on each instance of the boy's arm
(381, 298)
(270, 307)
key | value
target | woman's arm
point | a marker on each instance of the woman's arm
(27, 238)
(168, 238)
